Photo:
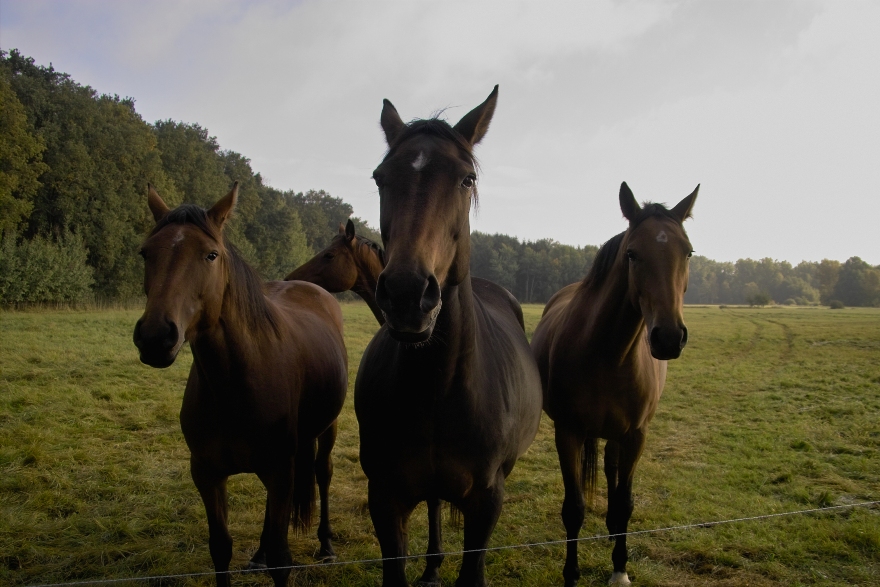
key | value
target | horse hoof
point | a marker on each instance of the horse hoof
(252, 566)
(431, 583)
(620, 579)
(327, 558)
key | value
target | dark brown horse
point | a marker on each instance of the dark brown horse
(602, 346)
(447, 395)
(350, 262)
(269, 374)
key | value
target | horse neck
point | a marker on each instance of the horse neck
(614, 327)
(368, 269)
(229, 346)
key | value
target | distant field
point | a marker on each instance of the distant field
(769, 410)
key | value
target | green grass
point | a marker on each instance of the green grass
(769, 410)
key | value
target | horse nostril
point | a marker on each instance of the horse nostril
(684, 336)
(655, 337)
(171, 337)
(382, 297)
(431, 295)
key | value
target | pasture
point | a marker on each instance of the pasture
(768, 411)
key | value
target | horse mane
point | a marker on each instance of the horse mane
(245, 284)
(439, 128)
(380, 252)
(608, 251)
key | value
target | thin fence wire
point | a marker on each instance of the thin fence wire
(324, 565)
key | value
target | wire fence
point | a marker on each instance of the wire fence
(324, 565)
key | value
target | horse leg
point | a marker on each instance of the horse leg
(569, 446)
(390, 514)
(620, 506)
(612, 456)
(481, 509)
(278, 481)
(323, 474)
(212, 487)
(434, 555)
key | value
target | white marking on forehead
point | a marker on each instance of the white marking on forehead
(177, 237)
(420, 161)
(661, 237)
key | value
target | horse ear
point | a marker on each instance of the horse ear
(390, 121)
(157, 205)
(220, 212)
(474, 124)
(683, 209)
(628, 204)
(349, 229)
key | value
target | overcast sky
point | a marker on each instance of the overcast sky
(772, 106)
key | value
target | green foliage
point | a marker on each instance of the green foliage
(836, 305)
(759, 299)
(21, 161)
(854, 282)
(42, 270)
(321, 216)
(532, 271)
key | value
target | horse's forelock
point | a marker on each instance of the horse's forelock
(438, 128)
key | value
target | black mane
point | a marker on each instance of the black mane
(380, 252)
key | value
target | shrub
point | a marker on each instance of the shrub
(43, 270)
(759, 299)
(790, 302)
(836, 305)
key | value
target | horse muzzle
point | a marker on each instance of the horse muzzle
(158, 341)
(410, 305)
(667, 343)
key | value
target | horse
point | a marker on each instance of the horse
(349, 262)
(602, 346)
(447, 395)
(269, 375)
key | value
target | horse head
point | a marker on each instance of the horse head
(185, 275)
(657, 252)
(426, 182)
(335, 267)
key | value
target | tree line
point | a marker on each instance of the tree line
(74, 166)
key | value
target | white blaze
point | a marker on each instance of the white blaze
(661, 237)
(420, 161)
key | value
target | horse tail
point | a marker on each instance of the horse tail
(589, 467)
(303, 501)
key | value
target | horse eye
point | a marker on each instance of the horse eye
(468, 182)
(211, 256)
(690, 254)
(377, 177)
(142, 253)
(631, 255)
(329, 255)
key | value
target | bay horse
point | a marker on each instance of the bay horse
(349, 262)
(447, 395)
(602, 347)
(268, 378)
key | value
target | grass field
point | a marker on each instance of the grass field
(768, 411)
